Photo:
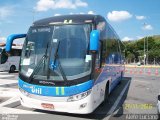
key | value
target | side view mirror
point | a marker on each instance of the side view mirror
(4, 55)
(94, 40)
(10, 40)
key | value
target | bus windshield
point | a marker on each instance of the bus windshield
(52, 52)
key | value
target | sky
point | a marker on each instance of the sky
(131, 19)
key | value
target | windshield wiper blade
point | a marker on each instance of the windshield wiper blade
(37, 68)
(54, 62)
(61, 69)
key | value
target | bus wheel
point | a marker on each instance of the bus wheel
(12, 68)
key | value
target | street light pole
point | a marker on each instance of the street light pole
(144, 51)
(144, 25)
(147, 52)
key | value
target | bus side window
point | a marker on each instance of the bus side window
(16, 53)
(99, 56)
(119, 52)
(101, 26)
(13, 52)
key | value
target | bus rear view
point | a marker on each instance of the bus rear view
(59, 62)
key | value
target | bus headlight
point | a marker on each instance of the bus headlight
(23, 91)
(79, 96)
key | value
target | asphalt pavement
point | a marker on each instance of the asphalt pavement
(137, 95)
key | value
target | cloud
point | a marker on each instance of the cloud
(91, 12)
(139, 37)
(71, 13)
(81, 13)
(79, 3)
(2, 39)
(127, 39)
(57, 14)
(140, 17)
(147, 27)
(45, 5)
(5, 12)
(117, 16)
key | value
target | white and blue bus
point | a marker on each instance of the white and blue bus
(69, 63)
(12, 62)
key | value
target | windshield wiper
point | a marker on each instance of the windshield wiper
(56, 57)
(37, 68)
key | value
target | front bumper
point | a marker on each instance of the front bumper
(83, 106)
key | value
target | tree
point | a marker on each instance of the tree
(135, 49)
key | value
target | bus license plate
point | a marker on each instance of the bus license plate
(47, 106)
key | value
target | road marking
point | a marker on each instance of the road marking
(8, 111)
(118, 100)
(13, 100)
(9, 85)
(6, 76)
(3, 73)
(7, 82)
(8, 92)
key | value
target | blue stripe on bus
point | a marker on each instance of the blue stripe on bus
(55, 91)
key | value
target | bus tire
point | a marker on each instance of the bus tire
(12, 68)
(106, 95)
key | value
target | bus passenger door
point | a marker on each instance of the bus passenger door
(101, 75)
(115, 63)
(94, 50)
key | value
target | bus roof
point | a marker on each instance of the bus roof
(63, 19)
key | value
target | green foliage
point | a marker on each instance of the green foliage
(135, 49)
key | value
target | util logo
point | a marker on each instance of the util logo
(36, 90)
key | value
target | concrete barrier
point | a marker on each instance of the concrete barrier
(143, 71)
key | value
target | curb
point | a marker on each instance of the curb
(12, 102)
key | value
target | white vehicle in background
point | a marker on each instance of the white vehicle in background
(12, 63)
